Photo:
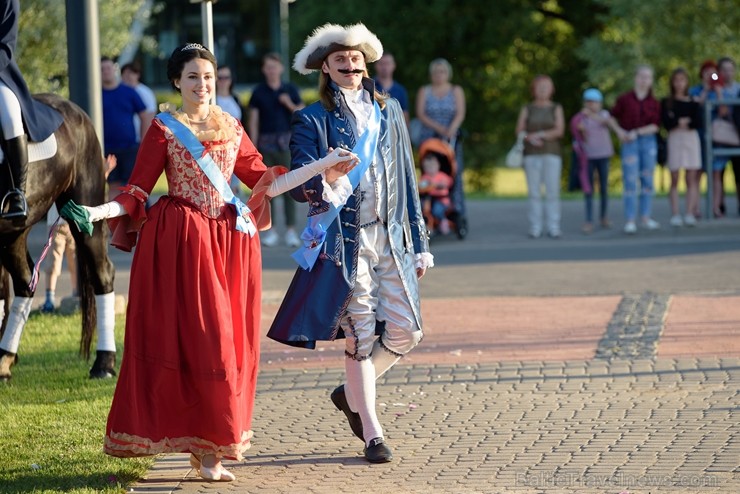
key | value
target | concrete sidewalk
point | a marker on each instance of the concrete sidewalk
(603, 363)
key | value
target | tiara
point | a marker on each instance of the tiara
(193, 46)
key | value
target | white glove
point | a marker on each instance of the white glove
(112, 209)
(301, 175)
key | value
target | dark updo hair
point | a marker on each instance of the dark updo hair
(182, 55)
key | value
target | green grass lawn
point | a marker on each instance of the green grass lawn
(53, 417)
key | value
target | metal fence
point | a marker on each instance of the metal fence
(711, 151)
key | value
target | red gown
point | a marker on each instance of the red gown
(191, 350)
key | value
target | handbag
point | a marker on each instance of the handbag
(515, 156)
(724, 132)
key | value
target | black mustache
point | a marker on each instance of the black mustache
(356, 71)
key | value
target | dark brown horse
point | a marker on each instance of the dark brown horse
(75, 172)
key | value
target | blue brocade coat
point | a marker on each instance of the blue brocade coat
(316, 300)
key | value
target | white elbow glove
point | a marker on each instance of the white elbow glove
(301, 175)
(112, 209)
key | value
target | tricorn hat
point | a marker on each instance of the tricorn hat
(330, 38)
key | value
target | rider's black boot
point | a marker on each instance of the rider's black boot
(14, 204)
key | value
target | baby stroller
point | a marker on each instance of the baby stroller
(436, 189)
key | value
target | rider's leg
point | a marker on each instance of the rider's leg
(16, 150)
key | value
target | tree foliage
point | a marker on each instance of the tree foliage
(496, 48)
(661, 33)
(42, 39)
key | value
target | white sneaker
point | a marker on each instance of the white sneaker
(650, 224)
(269, 238)
(630, 228)
(291, 239)
(689, 220)
(676, 220)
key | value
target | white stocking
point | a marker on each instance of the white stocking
(105, 305)
(360, 388)
(382, 359)
(19, 310)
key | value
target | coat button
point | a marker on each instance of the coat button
(338, 263)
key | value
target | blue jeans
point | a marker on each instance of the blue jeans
(601, 165)
(638, 162)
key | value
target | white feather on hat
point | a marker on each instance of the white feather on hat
(330, 38)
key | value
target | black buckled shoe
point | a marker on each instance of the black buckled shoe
(340, 401)
(378, 451)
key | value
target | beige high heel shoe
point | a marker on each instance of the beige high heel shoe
(216, 473)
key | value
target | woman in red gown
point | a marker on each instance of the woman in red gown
(189, 371)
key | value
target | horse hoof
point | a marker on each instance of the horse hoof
(7, 360)
(104, 366)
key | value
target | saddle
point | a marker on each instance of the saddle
(38, 151)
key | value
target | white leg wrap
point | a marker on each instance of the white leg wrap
(19, 310)
(106, 321)
(360, 387)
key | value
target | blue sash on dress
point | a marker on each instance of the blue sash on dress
(211, 170)
(314, 234)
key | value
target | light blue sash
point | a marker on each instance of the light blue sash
(211, 170)
(314, 234)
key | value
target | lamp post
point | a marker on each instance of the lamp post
(284, 31)
(206, 19)
(83, 57)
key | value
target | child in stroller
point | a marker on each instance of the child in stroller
(438, 165)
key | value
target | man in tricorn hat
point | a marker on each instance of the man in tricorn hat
(366, 243)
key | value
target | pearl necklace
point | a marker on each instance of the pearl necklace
(202, 121)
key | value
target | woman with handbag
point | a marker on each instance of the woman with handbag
(724, 133)
(188, 377)
(543, 123)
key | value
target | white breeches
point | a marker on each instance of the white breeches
(11, 121)
(378, 296)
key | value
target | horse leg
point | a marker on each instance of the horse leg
(18, 262)
(95, 285)
(7, 359)
(4, 298)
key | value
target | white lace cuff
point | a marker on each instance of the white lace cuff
(424, 260)
(338, 192)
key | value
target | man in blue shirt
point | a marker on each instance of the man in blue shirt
(120, 104)
(384, 82)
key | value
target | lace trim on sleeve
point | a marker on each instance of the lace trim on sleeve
(338, 192)
(424, 260)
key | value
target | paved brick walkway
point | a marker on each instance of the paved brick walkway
(511, 394)
(666, 425)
